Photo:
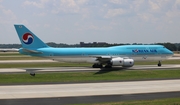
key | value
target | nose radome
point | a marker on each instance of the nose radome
(170, 52)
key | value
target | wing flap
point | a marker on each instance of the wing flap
(103, 59)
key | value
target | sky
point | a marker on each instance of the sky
(74, 21)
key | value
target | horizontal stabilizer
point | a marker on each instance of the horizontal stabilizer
(31, 51)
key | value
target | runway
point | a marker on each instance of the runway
(84, 69)
(89, 99)
(88, 89)
(78, 93)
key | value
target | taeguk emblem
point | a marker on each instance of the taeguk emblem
(27, 38)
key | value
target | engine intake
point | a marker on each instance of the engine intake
(122, 62)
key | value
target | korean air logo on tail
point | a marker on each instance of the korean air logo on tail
(27, 38)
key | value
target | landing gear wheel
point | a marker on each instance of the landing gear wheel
(159, 64)
(108, 66)
(94, 66)
(100, 66)
(97, 65)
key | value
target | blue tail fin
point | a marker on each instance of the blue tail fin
(28, 39)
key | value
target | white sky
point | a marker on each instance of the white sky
(73, 21)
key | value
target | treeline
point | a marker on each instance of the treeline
(52, 44)
(10, 45)
(170, 46)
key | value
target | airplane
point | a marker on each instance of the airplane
(124, 55)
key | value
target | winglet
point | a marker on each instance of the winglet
(28, 39)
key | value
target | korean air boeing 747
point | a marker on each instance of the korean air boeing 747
(107, 57)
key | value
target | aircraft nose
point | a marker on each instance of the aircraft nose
(170, 52)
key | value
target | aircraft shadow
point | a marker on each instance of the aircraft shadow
(101, 71)
(107, 70)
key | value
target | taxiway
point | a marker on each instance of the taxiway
(88, 89)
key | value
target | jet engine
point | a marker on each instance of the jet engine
(125, 62)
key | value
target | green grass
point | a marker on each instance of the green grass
(10, 54)
(46, 64)
(166, 101)
(21, 58)
(89, 76)
(16, 56)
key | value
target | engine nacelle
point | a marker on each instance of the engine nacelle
(122, 62)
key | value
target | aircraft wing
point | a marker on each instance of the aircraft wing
(103, 59)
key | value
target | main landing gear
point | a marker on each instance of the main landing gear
(108, 66)
(97, 65)
(159, 63)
